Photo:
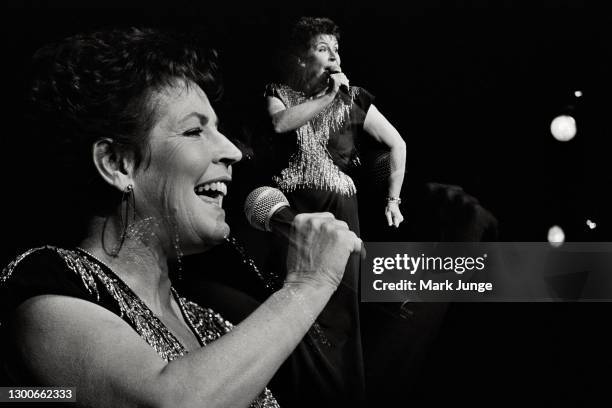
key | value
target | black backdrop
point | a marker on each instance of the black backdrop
(472, 88)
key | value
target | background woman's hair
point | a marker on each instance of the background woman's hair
(306, 28)
(300, 34)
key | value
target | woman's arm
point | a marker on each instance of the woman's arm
(286, 119)
(65, 341)
(71, 342)
(383, 131)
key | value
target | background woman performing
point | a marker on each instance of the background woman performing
(320, 121)
(328, 116)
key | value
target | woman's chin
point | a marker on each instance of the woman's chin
(217, 236)
(204, 240)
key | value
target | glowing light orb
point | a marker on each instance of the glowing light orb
(563, 128)
(556, 236)
(592, 225)
(578, 94)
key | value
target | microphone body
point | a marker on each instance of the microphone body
(280, 221)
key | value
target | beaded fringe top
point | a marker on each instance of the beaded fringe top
(207, 325)
(312, 165)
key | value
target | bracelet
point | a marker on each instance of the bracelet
(394, 200)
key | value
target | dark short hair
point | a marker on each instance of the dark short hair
(306, 28)
(99, 85)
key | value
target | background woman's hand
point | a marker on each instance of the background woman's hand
(393, 214)
(319, 248)
(337, 80)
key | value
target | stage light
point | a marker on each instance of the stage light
(591, 224)
(556, 236)
(563, 128)
(578, 94)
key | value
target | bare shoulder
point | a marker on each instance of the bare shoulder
(65, 341)
(274, 105)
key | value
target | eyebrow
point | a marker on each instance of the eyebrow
(326, 43)
(202, 118)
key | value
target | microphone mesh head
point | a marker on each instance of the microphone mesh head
(261, 204)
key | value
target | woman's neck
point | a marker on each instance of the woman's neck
(140, 262)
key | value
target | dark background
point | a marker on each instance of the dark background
(472, 88)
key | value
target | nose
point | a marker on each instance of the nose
(226, 152)
(334, 56)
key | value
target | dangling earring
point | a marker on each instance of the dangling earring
(128, 200)
(179, 254)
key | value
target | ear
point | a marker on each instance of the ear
(115, 167)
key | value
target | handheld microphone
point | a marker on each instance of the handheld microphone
(344, 89)
(267, 209)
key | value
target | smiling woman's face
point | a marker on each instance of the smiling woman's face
(186, 178)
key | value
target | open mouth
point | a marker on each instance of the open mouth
(212, 192)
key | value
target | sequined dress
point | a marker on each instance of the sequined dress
(75, 273)
(316, 166)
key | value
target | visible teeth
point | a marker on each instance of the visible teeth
(223, 188)
(219, 186)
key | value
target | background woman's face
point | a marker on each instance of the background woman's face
(189, 171)
(322, 55)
